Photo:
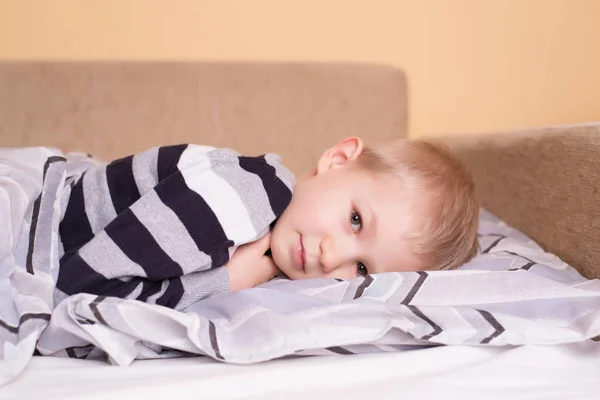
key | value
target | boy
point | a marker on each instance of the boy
(176, 224)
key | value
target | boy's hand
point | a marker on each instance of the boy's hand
(249, 267)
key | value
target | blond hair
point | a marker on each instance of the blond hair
(448, 237)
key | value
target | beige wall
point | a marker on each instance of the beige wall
(473, 65)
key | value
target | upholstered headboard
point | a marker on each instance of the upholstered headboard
(544, 181)
(115, 109)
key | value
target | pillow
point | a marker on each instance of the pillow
(504, 248)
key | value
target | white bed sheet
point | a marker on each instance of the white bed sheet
(454, 372)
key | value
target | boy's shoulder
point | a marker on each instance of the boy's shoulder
(228, 159)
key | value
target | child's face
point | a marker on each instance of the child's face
(345, 222)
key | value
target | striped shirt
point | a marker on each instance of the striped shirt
(159, 226)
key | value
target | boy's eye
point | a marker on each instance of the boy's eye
(361, 269)
(355, 221)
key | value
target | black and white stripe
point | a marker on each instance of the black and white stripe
(497, 239)
(530, 263)
(339, 350)
(277, 190)
(35, 215)
(75, 229)
(415, 288)
(363, 286)
(153, 226)
(498, 328)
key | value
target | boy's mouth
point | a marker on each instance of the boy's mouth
(299, 257)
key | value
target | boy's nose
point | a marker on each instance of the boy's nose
(333, 254)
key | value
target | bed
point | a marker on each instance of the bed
(541, 181)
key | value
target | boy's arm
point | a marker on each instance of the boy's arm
(179, 212)
(99, 192)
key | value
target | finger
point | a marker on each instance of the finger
(263, 243)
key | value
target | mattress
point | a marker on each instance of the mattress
(569, 371)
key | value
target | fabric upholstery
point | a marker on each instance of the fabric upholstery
(544, 182)
(119, 108)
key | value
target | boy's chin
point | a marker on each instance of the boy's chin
(286, 270)
(290, 272)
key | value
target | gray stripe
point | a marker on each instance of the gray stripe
(80, 352)
(64, 199)
(407, 281)
(34, 221)
(71, 352)
(170, 234)
(136, 292)
(363, 286)
(163, 287)
(44, 260)
(415, 288)
(339, 350)
(493, 244)
(249, 187)
(37, 206)
(106, 258)
(212, 333)
(199, 285)
(36, 213)
(76, 166)
(145, 170)
(436, 328)
(59, 296)
(96, 195)
(498, 328)
(479, 325)
(97, 313)
(286, 176)
(23, 319)
(525, 267)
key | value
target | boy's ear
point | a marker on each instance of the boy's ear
(347, 150)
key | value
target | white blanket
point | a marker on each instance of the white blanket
(561, 372)
(513, 293)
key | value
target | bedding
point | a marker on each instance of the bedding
(512, 293)
(567, 371)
